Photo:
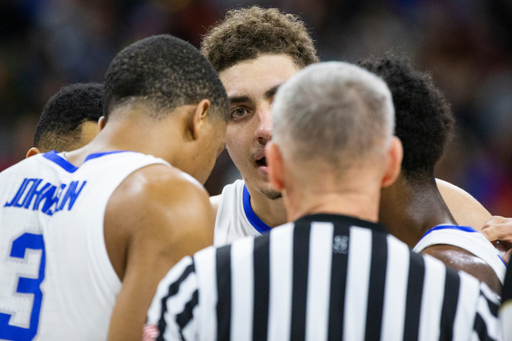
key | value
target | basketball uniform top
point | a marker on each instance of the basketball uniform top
(235, 217)
(468, 239)
(56, 279)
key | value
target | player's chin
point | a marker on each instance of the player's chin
(267, 190)
(271, 193)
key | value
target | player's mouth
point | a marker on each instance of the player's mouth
(261, 162)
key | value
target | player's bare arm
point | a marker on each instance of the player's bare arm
(461, 259)
(466, 210)
(156, 216)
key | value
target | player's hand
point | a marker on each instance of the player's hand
(498, 230)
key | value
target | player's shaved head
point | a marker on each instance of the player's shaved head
(163, 73)
(65, 116)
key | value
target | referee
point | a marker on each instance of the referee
(334, 273)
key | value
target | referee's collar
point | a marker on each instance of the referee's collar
(343, 220)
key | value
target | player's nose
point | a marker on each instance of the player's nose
(263, 131)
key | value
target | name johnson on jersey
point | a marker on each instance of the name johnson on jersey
(34, 192)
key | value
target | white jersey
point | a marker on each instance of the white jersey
(468, 239)
(235, 217)
(56, 279)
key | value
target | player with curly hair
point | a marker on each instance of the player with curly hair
(412, 208)
(255, 50)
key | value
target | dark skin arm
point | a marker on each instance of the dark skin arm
(156, 216)
(460, 259)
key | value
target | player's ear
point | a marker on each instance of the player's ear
(32, 151)
(275, 166)
(197, 117)
(101, 123)
(395, 155)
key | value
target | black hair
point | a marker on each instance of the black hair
(424, 120)
(60, 124)
(163, 72)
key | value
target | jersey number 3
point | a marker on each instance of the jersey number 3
(26, 286)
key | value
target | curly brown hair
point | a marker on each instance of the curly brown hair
(246, 33)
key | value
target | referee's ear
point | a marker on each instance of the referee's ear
(395, 155)
(275, 166)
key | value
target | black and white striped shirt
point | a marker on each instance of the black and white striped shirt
(324, 277)
(506, 305)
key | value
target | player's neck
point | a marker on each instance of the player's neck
(138, 134)
(271, 211)
(409, 212)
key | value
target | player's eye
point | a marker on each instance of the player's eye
(238, 113)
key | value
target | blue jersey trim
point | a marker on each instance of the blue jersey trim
(451, 227)
(69, 167)
(54, 157)
(256, 222)
(97, 155)
(456, 227)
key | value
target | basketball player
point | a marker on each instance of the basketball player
(412, 208)
(255, 50)
(333, 273)
(69, 119)
(87, 235)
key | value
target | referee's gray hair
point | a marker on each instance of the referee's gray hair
(334, 111)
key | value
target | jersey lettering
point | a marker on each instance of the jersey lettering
(31, 190)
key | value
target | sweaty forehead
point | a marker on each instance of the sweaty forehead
(254, 77)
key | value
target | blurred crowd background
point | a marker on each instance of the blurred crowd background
(465, 44)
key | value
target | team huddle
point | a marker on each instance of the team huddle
(338, 229)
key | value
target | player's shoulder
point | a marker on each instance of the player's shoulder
(27, 167)
(228, 192)
(157, 196)
(159, 182)
(162, 178)
(461, 259)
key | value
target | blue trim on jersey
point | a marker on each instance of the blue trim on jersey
(97, 155)
(256, 222)
(456, 227)
(53, 156)
(451, 227)
(70, 168)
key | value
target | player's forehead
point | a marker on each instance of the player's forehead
(252, 78)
